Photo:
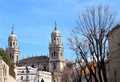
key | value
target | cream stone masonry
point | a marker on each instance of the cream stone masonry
(13, 50)
(114, 54)
(6, 75)
(56, 55)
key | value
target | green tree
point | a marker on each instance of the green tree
(6, 58)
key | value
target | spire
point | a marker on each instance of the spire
(55, 26)
(12, 30)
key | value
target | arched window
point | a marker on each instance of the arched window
(10, 44)
(32, 66)
(10, 55)
(44, 68)
(14, 43)
(54, 66)
(54, 53)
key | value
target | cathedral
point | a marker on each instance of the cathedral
(54, 63)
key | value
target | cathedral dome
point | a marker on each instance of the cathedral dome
(56, 32)
(12, 35)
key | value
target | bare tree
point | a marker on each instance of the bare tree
(89, 39)
(67, 73)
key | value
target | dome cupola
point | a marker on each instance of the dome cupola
(12, 35)
(55, 32)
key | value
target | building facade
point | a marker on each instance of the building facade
(40, 67)
(56, 55)
(26, 74)
(13, 49)
(6, 73)
(30, 74)
(114, 54)
(39, 62)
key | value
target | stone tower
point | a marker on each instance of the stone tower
(114, 54)
(13, 50)
(56, 55)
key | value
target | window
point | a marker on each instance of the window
(22, 71)
(21, 77)
(44, 68)
(54, 53)
(32, 66)
(54, 66)
(14, 43)
(10, 44)
(12, 57)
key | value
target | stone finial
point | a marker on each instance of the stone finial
(12, 30)
(55, 26)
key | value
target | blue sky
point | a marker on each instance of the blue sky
(33, 22)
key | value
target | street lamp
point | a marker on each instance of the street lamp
(27, 71)
(38, 71)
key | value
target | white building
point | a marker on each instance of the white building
(46, 76)
(29, 74)
(26, 73)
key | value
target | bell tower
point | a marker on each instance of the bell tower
(13, 50)
(56, 51)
